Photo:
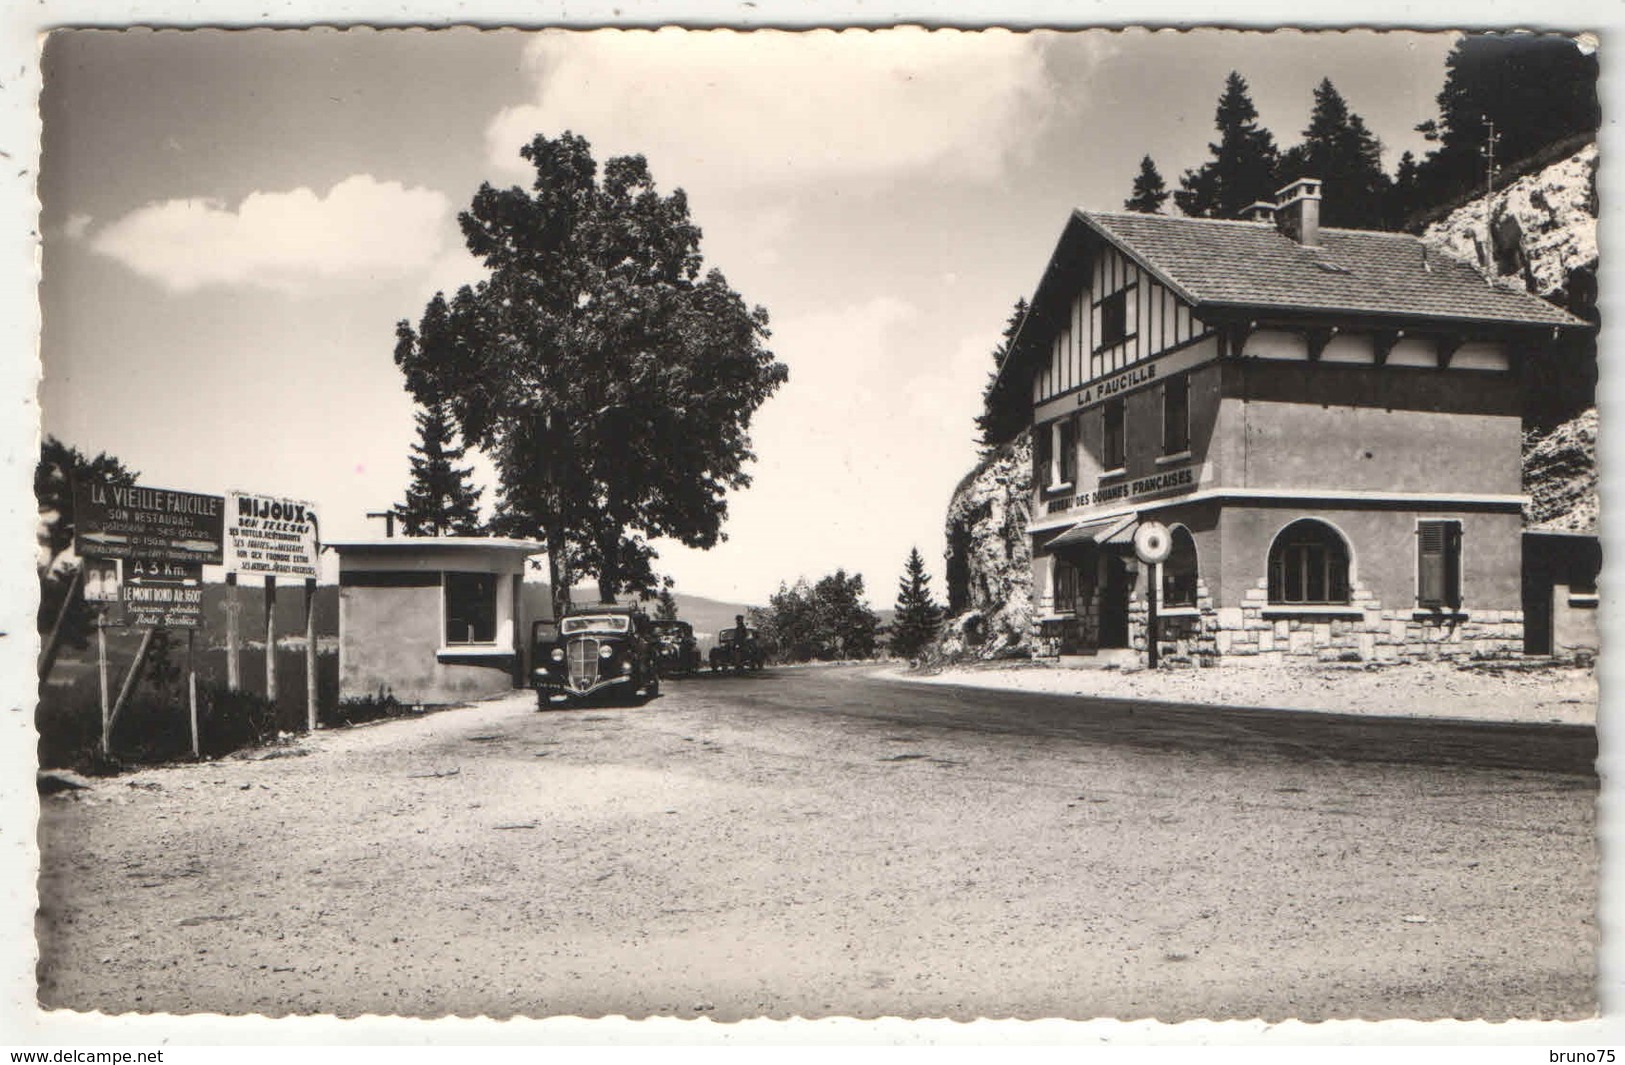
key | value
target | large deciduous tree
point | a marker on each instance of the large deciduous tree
(1242, 170)
(609, 380)
(823, 621)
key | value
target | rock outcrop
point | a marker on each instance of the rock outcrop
(990, 558)
(1560, 477)
(1539, 233)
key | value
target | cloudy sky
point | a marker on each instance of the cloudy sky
(234, 222)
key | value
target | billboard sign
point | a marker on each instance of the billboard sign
(162, 595)
(151, 524)
(271, 535)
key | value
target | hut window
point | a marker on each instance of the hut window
(1309, 563)
(471, 608)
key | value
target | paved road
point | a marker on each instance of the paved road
(1233, 732)
(828, 842)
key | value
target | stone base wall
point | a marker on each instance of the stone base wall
(1363, 631)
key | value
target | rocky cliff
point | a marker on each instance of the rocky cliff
(1560, 476)
(989, 558)
(1540, 233)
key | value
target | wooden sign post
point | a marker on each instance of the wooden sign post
(270, 638)
(310, 653)
(234, 635)
(276, 537)
(101, 668)
(191, 692)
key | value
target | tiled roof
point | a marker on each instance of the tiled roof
(1252, 264)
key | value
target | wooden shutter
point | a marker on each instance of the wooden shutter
(1438, 564)
(1041, 455)
(1069, 451)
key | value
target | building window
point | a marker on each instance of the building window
(1179, 571)
(1438, 564)
(1065, 587)
(1112, 449)
(1309, 564)
(1176, 415)
(471, 608)
(1115, 319)
(1066, 451)
(1043, 448)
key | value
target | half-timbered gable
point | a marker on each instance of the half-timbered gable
(1121, 315)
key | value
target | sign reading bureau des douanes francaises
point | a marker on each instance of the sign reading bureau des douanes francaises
(270, 535)
(1168, 482)
(151, 524)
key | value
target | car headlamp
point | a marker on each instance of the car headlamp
(605, 650)
(558, 654)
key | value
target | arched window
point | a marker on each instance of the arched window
(1179, 572)
(1309, 563)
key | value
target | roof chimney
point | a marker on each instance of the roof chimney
(1297, 211)
(1257, 211)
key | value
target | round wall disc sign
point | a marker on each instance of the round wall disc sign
(1152, 543)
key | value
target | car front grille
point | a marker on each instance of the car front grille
(583, 663)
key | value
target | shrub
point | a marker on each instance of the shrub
(365, 708)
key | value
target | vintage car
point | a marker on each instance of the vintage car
(675, 648)
(737, 649)
(605, 651)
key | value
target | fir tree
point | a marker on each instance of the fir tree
(666, 605)
(1149, 191)
(1536, 89)
(1338, 149)
(1006, 410)
(440, 501)
(918, 616)
(1243, 168)
(1404, 192)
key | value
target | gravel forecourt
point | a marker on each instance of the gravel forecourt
(815, 843)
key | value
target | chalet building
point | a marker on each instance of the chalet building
(1327, 421)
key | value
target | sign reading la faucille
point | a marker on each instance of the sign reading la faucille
(271, 535)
